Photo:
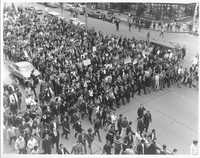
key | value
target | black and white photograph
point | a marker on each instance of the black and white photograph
(100, 78)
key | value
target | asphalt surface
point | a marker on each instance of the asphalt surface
(174, 110)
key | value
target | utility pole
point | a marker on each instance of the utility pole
(194, 17)
(86, 18)
(62, 9)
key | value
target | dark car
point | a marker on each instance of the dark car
(109, 16)
(52, 5)
(95, 14)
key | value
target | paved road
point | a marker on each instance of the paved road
(174, 110)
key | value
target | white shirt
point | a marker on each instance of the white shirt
(31, 143)
(194, 149)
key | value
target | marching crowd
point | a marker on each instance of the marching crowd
(84, 73)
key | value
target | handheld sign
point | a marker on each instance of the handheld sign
(86, 62)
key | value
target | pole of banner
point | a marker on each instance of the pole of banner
(86, 18)
(62, 10)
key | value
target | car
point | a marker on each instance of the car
(109, 16)
(76, 21)
(54, 13)
(52, 5)
(39, 11)
(95, 14)
(22, 71)
(68, 7)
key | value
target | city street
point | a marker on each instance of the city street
(183, 39)
(174, 110)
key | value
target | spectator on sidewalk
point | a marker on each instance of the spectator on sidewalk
(46, 145)
(62, 150)
(194, 148)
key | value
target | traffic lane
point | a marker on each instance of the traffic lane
(173, 133)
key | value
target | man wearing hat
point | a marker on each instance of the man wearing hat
(90, 139)
(141, 148)
(119, 123)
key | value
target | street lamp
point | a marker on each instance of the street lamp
(86, 18)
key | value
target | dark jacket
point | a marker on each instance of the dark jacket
(65, 151)
(46, 146)
(152, 149)
(140, 149)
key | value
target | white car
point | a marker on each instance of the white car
(76, 21)
(22, 70)
(68, 6)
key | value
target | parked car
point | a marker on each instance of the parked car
(109, 16)
(76, 21)
(22, 71)
(68, 7)
(52, 5)
(95, 14)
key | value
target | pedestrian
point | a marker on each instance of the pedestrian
(20, 145)
(90, 111)
(194, 148)
(152, 149)
(152, 135)
(140, 111)
(77, 148)
(62, 150)
(117, 144)
(141, 148)
(107, 148)
(129, 139)
(11, 134)
(97, 126)
(147, 120)
(117, 24)
(119, 123)
(124, 127)
(32, 142)
(140, 125)
(66, 128)
(162, 32)
(164, 150)
(148, 37)
(78, 128)
(130, 22)
(46, 145)
(90, 139)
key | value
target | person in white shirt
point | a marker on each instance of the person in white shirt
(11, 134)
(157, 81)
(194, 148)
(20, 145)
(32, 142)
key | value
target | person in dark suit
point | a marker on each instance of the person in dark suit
(97, 126)
(62, 150)
(66, 128)
(140, 111)
(55, 138)
(147, 120)
(141, 148)
(140, 126)
(152, 149)
(46, 145)
(129, 139)
(78, 128)
(119, 124)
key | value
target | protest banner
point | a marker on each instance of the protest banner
(86, 62)
(127, 60)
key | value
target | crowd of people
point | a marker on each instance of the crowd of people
(84, 73)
